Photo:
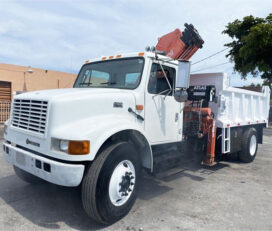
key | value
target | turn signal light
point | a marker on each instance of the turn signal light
(141, 54)
(79, 147)
(139, 107)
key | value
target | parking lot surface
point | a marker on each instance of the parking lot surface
(229, 196)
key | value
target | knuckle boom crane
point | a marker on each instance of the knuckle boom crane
(199, 120)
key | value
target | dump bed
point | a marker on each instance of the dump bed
(234, 106)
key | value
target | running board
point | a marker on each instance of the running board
(166, 160)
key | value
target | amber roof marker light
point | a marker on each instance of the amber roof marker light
(139, 107)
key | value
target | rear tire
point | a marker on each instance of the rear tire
(27, 177)
(109, 188)
(249, 146)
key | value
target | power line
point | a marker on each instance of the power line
(210, 67)
(210, 56)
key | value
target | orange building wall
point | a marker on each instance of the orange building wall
(38, 80)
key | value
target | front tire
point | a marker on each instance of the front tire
(109, 187)
(249, 146)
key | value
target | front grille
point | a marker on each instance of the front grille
(30, 115)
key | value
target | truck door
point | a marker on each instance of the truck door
(162, 112)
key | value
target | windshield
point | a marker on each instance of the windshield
(118, 73)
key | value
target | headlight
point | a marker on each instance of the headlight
(72, 147)
(63, 145)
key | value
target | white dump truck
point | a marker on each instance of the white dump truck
(128, 112)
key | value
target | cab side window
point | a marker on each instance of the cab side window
(157, 81)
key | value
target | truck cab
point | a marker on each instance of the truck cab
(109, 96)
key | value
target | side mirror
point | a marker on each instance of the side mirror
(183, 76)
(182, 81)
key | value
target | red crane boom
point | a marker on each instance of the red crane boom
(180, 45)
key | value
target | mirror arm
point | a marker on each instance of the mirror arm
(160, 93)
(170, 90)
(170, 87)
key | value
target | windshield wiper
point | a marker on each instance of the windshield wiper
(88, 84)
(109, 83)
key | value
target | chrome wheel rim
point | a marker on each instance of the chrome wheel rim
(252, 145)
(122, 183)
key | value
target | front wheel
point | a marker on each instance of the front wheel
(110, 185)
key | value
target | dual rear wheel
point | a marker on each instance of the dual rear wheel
(249, 146)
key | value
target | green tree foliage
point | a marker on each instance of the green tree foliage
(251, 48)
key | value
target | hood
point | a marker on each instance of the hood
(47, 95)
(66, 106)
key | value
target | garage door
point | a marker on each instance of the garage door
(5, 98)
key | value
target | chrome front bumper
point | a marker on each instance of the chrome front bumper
(50, 170)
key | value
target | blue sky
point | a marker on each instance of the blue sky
(62, 34)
